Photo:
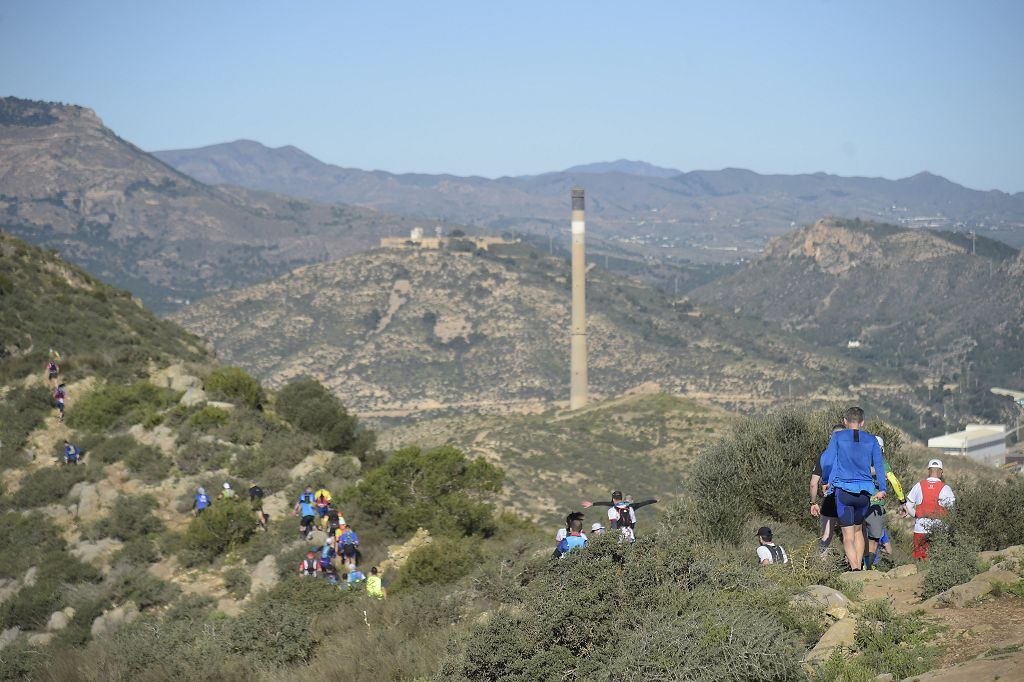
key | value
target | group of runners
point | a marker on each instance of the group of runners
(621, 519)
(340, 547)
(855, 482)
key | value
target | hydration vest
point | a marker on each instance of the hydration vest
(202, 502)
(930, 507)
(308, 566)
(778, 557)
(374, 587)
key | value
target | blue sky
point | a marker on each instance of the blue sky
(854, 88)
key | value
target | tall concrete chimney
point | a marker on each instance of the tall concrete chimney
(578, 391)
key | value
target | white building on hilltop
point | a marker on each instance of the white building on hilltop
(985, 443)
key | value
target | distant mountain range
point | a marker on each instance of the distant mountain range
(935, 310)
(69, 183)
(633, 202)
(626, 167)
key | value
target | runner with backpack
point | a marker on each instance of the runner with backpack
(767, 551)
(305, 509)
(309, 565)
(622, 513)
(71, 453)
(59, 396)
(323, 501)
(256, 503)
(574, 539)
(349, 548)
(52, 372)
(200, 502)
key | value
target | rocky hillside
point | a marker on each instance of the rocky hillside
(68, 182)
(730, 207)
(942, 313)
(397, 333)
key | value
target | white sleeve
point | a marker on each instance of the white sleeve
(763, 553)
(914, 498)
(560, 535)
(785, 557)
(946, 496)
(613, 514)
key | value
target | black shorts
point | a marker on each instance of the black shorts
(349, 550)
(828, 507)
(307, 520)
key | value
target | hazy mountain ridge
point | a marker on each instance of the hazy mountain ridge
(68, 182)
(730, 206)
(918, 301)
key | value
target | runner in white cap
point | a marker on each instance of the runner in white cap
(928, 501)
(597, 529)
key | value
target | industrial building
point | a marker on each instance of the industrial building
(985, 443)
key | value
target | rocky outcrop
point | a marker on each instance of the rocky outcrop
(160, 437)
(840, 636)
(264, 575)
(399, 554)
(113, 619)
(962, 595)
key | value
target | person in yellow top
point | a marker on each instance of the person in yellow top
(323, 501)
(375, 586)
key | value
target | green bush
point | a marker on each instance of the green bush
(309, 406)
(147, 463)
(275, 629)
(26, 538)
(279, 450)
(22, 410)
(109, 450)
(132, 517)
(138, 551)
(48, 485)
(889, 642)
(208, 418)
(234, 384)
(952, 560)
(114, 405)
(237, 582)
(31, 607)
(220, 529)
(442, 561)
(991, 514)
(195, 456)
(440, 489)
(138, 585)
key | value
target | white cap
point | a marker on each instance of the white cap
(935, 464)
(596, 526)
(227, 485)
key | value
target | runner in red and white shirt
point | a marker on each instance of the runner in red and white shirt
(928, 501)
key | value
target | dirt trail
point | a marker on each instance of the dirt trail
(983, 640)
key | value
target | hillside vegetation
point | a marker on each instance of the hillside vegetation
(68, 182)
(935, 312)
(397, 333)
(644, 444)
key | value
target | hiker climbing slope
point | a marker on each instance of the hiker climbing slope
(59, 396)
(827, 509)
(848, 460)
(305, 509)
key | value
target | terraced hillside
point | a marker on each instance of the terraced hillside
(433, 332)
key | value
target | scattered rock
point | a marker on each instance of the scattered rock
(1013, 550)
(29, 579)
(264, 574)
(820, 597)
(399, 554)
(277, 507)
(96, 552)
(160, 437)
(838, 612)
(229, 607)
(904, 571)
(58, 621)
(176, 378)
(961, 595)
(318, 460)
(89, 507)
(40, 638)
(193, 396)
(841, 634)
(223, 406)
(8, 636)
(113, 619)
(884, 677)
(8, 588)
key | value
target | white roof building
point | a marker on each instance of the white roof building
(985, 443)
